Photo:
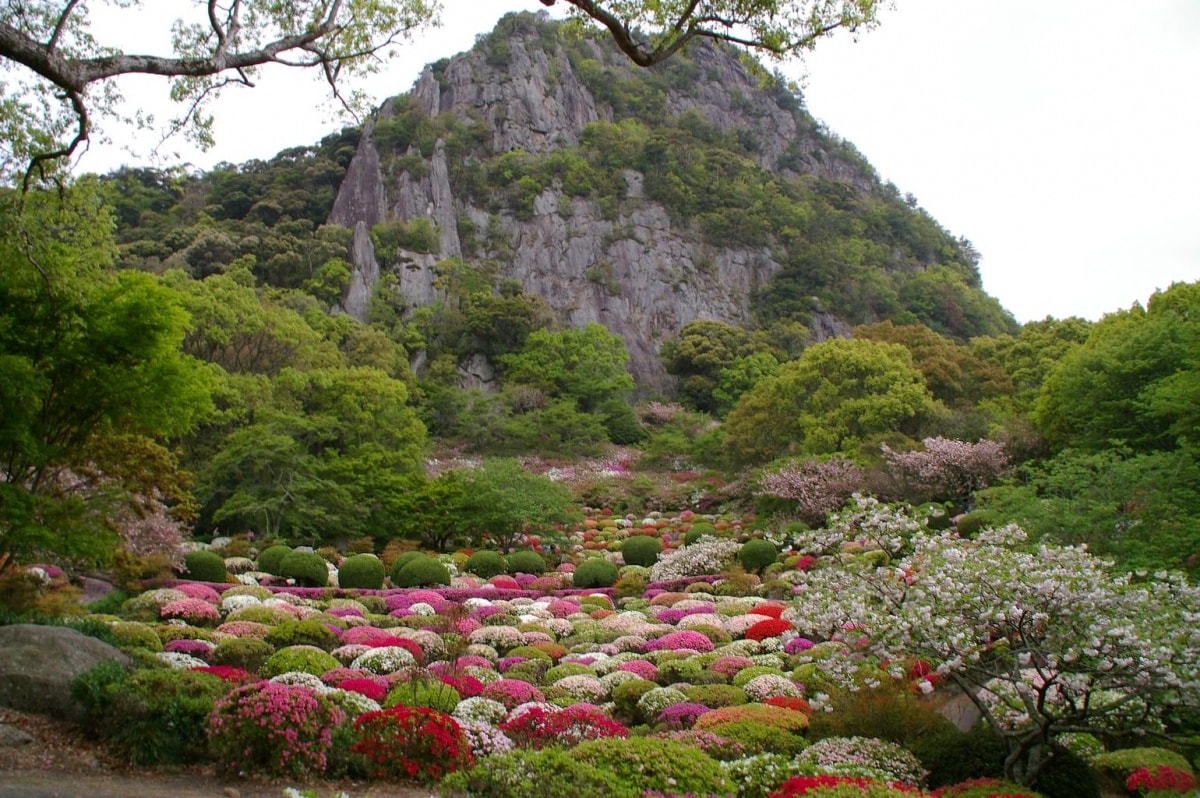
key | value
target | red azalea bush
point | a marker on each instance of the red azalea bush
(842, 787)
(1160, 778)
(280, 728)
(771, 627)
(411, 743)
(371, 688)
(230, 674)
(537, 728)
(767, 610)
(791, 702)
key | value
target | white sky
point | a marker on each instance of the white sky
(1061, 137)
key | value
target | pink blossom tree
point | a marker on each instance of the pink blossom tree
(946, 469)
(818, 486)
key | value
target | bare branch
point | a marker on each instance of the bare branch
(61, 25)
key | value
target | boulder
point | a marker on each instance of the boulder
(38, 663)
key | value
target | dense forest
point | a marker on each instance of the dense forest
(175, 356)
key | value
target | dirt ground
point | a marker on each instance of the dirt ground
(62, 763)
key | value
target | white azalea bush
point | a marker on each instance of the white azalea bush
(708, 555)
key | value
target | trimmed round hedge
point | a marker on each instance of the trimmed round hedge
(307, 567)
(270, 557)
(362, 571)
(304, 659)
(486, 564)
(595, 572)
(641, 550)
(756, 554)
(204, 566)
(698, 531)
(526, 562)
(420, 571)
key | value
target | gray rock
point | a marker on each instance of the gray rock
(11, 736)
(38, 663)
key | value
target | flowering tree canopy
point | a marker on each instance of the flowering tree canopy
(946, 468)
(817, 486)
(1044, 642)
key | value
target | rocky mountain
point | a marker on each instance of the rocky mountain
(639, 199)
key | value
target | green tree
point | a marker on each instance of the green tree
(587, 365)
(501, 501)
(838, 394)
(88, 357)
(697, 356)
(1132, 379)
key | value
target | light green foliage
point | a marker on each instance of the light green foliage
(303, 659)
(91, 379)
(586, 366)
(656, 764)
(1136, 379)
(838, 394)
(525, 562)
(641, 550)
(595, 572)
(502, 501)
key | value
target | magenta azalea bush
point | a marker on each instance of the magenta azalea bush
(282, 729)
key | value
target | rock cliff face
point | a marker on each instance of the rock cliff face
(636, 271)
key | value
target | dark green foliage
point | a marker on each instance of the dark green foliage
(247, 653)
(1067, 776)
(151, 716)
(641, 550)
(525, 562)
(486, 564)
(307, 567)
(270, 558)
(698, 531)
(756, 554)
(595, 572)
(952, 756)
(420, 572)
(110, 604)
(362, 571)
(308, 632)
(204, 566)
(626, 694)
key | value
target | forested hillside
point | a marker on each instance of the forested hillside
(671, 284)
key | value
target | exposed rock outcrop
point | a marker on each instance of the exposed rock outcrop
(636, 271)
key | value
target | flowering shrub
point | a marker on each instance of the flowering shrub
(714, 745)
(512, 692)
(826, 786)
(818, 487)
(864, 756)
(771, 627)
(1160, 778)
(484, 739)
(385, 659)
(946, 469)
(682, 640)
(708, 555)
(227, 673)
(539, 727)
(680, 716)
(279, 728)
(770, 685)
(193, 610)
(756, 776)
(411, 743)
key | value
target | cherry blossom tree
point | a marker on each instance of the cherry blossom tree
(817, 486)
(1043, 641)
(946, 469)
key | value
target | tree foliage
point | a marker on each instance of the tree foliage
(835, 396)
(1044, 642)
(92, 381)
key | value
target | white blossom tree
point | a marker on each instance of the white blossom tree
(1043, 641)
(817, 486)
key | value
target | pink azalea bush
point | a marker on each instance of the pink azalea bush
(279, 728)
